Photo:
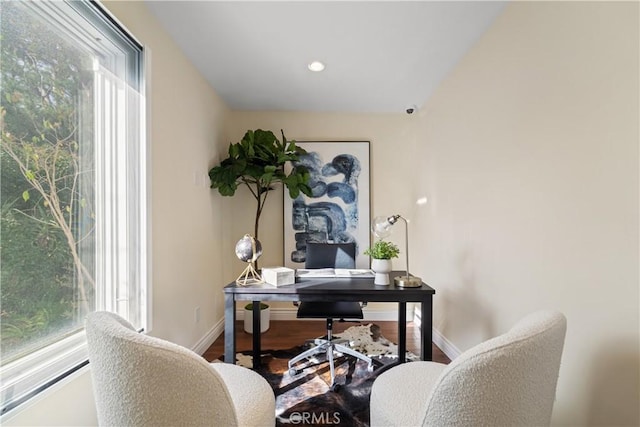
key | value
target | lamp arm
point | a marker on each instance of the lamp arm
(406, 281)
(406, 240)
(378, 228)
(392, 220)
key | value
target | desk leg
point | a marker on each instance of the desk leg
(426, 328)
(402, 332)
(256, 335)
(229, 328)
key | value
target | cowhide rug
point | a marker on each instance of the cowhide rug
(308, 399)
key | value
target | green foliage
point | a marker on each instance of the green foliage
(382, 249)
(38, 295)
(249, 306)
(45, 83)
(258, 162)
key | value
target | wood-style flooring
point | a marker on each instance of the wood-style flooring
(284, 334)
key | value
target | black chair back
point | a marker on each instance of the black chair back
(330, 255)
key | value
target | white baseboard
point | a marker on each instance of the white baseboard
(276, 314)
(445, 345)
(209, 338)
(440, 340)
(280, 314)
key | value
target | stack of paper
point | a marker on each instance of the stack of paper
(333, 272)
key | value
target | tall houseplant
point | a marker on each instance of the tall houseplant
(258, 162)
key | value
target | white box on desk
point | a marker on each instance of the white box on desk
(279, 276)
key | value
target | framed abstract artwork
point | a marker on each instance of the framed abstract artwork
(338, 210)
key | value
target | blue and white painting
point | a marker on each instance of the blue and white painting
(338, 210)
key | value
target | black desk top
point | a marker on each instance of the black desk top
(330, 288)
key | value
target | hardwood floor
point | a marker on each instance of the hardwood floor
(283, 334)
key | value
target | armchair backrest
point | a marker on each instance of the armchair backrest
(330, 255)
(508, 380)
(144, 381)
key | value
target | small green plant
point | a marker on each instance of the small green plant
(382, 249)
(249, 306)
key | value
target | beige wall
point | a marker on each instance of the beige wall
(530, 163)
(186, 133)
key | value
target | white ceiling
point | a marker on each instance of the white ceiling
(379, 56)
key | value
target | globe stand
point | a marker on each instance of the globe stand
(249, 277)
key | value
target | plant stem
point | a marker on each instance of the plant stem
(257, 221)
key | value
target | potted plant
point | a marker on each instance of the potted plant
(258, 162)
(382, 252)
(264, 317)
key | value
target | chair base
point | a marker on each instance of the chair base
(328, 347)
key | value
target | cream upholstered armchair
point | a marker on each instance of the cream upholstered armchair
(509, 380)
(139, 380)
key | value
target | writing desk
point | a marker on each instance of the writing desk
(333, 289)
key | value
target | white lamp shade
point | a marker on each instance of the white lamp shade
(381, 227)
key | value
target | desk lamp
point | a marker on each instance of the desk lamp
(381, 228)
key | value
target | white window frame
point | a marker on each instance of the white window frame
(28, 376)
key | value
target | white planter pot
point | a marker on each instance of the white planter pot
(265, 314)
(382, 268)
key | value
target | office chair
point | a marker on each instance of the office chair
(329, 255)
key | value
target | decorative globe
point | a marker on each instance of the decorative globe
(245, 249)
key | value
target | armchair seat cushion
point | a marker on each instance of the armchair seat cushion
(400, 395)
(248, 390)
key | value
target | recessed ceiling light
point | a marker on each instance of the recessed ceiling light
(316, 66)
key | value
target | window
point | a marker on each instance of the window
(72, 186)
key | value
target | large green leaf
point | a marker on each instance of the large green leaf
(260, 156)
(258, 162)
